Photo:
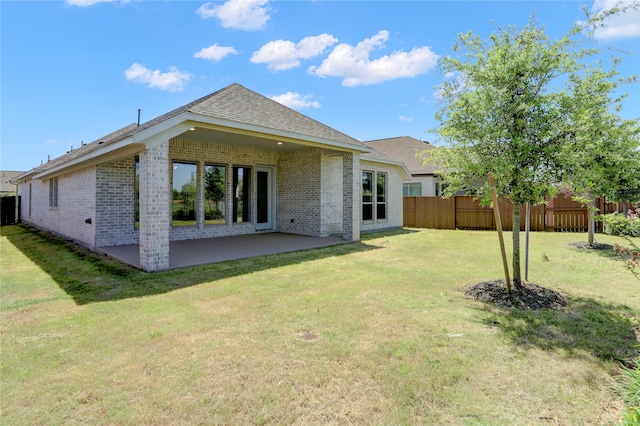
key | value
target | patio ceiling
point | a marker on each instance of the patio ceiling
(246, 139)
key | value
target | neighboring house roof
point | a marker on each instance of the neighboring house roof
(233, 107)
(5, 183)
(405, 149)
(379, 157)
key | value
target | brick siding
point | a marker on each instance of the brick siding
(76, 203)
(115, 201)
(316, 194)
(298, 192)
(331, 201)
(155, 205)
(352, 185)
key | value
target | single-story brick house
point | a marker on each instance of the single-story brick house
(425, 181)
(231, 163)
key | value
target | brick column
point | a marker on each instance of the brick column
(155, 208)
(352, 187)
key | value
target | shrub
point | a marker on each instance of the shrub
(619, 224)
(628, 387)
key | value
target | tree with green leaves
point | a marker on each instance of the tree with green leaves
(603, 158)
(506, 109)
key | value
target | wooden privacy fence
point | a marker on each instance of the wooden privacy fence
(560, 214)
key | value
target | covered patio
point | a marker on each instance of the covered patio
(212, 250)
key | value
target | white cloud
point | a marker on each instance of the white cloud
(246, 15)
(280, 55)
(405, 118)
(622, 25)
(296, 101)
(215, 52)
(353, 64)
(172, 80)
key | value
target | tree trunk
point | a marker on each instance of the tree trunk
(517, 274)
(591, 227)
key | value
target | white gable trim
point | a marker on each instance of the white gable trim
(110, 152)
(161, 132)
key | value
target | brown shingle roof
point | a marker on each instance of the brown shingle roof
(237, 103)
(233, 103)
(405, 149)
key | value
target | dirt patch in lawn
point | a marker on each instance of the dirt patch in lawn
(529, 296)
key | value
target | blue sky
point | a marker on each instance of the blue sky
(73, 71)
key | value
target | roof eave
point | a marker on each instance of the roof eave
(174, 126)
(271, 133)
(112, 151)
(23, 177)
(405, 172)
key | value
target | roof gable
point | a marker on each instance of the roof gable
(239, 104)
(233, 103)
(405, 149)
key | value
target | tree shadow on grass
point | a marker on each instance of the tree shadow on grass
(606, 331)
(626, 253)
(90, 277)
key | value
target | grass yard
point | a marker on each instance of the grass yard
(375, 332)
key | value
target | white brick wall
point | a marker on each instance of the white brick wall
(298, 192)
(41, 215)
(155, 205)
(313, 197)
(352, 187)
(115, 216)
(76, 203)
(331, 203)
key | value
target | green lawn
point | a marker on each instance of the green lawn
(375, 332)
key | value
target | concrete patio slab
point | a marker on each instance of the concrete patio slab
(212, 250)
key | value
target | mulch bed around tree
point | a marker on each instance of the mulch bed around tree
(583, 245)
(529, 296)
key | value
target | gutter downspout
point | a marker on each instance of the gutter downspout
(16, 211)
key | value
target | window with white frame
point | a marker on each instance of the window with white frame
(367, 196)
(381, 196)
(53, 193)
(374, 196)
(412, 189)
